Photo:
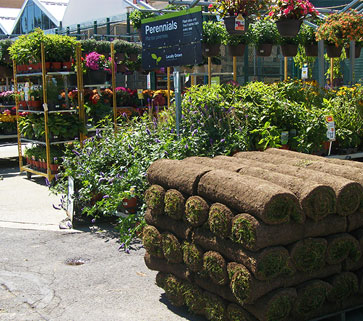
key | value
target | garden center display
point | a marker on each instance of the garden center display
(243, 238)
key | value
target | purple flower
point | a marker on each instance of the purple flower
(74, 151)
(47, 182)
(223, 140)
(211, 141)
(194, 132)
(186, 146)
(93, 220)
(148, 131)
(106, 196)
(56, 208)
(127, 251)
(157, 140)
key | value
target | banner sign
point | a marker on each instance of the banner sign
(190, 54)
(172, 39)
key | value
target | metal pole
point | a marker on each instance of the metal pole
(17, 115)
(80, 89)
(95, 27)
(234, 68)
(209, 71)
(352, 62)
(114, 104)
(285, 68)
(168, 84)
(108, 26)
(78, 32)
(331, 72)
(177, 91)
(321, 80)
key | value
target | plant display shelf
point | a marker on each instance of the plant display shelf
(47, 143)
(8, 136)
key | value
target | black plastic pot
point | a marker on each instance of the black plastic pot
(237, 51)
(96, 77)
(288, 27)
(356, 51)
(264, 50)
(230, 23)
(211, 50)
(333, 51)
(289, 50)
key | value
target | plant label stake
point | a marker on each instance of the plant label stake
(331, 130)
(177, 91)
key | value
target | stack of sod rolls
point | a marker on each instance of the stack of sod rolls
(268, 236)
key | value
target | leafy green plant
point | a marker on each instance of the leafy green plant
(136, 16)
(269, 136)
(213, 32)
(234, 40)
(264, 31)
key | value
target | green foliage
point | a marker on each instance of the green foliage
(136, 16)
(234, 40)
(214, 32)
(264, 31)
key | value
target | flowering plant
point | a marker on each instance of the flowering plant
(96, 61)
(225, 8)
(340, 28)
(292, 9)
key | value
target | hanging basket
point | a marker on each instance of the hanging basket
(119, 56)
(357, 51)
(264, 50)
(311, 50)
(288, 27)
(234, 27)
(237, 51)
(333, 51)
(211, 50)
(289, 50)
(96, 77)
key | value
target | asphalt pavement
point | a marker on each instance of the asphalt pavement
(67, 275)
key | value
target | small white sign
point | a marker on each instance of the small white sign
(330, 134)
(304, 72)
(148, 81)
(70, 198)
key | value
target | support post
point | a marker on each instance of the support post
(177, 91)
(78, 31)
(331, 72)
(352, 62)
(80, 88)
(168, 84)
(321, 80)
(209, 71)
(114, 104)
(95, 27)
(17, 115)
(108, 26)
(285, 68)
(235, 68)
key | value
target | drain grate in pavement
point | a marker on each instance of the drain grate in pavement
(76, 261)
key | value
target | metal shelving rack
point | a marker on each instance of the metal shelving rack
(44, 74)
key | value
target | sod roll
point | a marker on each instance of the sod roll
(348, 192)
(215, 307)
(237, 313)
(171, 248)
(164, 223)
(330, 225)
(175, 174)
(359, 274)
(152, 241)
(220, 220)
(214, 163)
(344, 285)
(308, 255)
(266, 264)
(354, 221)
(215, 266)
(341, 247)
(293, 154)
(192, 256)
(196, 211)
(194, 298)
(277, 305)
(269, 202)
(154, 199)
(352, 265)
(174, 204)
(311, 296)
(174, 290)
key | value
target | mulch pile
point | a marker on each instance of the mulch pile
(274, 235)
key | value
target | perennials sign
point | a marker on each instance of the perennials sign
(172, 39)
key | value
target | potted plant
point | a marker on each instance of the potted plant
(236, 43)
(264, 36)
(133, 51)
(35, 101)
(308, 40)
(213, 35)
(289, 14)
(289, 46)
(96, 68)
(338, 30)
(88, 45)
(234, 13)
(120, 47)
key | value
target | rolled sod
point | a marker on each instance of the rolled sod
(349, 264)
(174, 290)
(215, 307)
(196, 211)
(269, 202)
(354, 221)
(220, 220)
(174, 204)
(152, 241)
(192, 256)
(308, 255)
(237, 313)
(161, 265)
(215, 265)
(214, 163)
(171, 248)
(348, 192)
(154, 199)
(194, 298)
(293, 154)
(359, 274)
(277, 305)
(311, 296)
(254, 235)
(265, 265)
(341, 247)
(175, 174)
(164, 223)
(344, 285)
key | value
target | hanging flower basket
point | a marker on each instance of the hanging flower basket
(96, 77)
(264, 50)
(288, 27)
(333, 51)
(311, 50)
(211, 50)
(237, 51)
(289, 50)
(234, 25)
(357, 51)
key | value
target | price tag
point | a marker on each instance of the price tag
(215, 80)
(45, 107)
(70, 198)
(330, 134)
(139, 94)
(239, 23)
(304, 72)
